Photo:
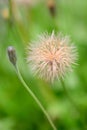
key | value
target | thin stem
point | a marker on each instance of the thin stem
(69, 97)
(34, 97)
(10, 12)
(10, 7)
(75, 105)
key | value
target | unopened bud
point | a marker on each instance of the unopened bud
(52, 7)
(12, 55)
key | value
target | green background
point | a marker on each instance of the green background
(18, 111)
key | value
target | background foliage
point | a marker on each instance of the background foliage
(20, 24)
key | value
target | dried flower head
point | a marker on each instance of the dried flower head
(52, 56)
(52, 7)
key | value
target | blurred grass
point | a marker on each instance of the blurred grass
(18, 111)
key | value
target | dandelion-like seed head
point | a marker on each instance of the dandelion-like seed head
(52, 57)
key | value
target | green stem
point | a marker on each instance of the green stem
(10, 12)
(34, 97)
(75, 105)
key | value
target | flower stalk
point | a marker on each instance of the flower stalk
(75, 105)
(12, 58)
(34, 97)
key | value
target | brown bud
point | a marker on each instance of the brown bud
(12, 55)
(52, 7)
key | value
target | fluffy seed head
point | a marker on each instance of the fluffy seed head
(52, 56)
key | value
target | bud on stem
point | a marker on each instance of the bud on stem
(13, 59)
(12, 55)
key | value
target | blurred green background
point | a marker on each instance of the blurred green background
(20, 23)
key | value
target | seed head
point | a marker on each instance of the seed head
(52, 56)
(5, 13)
(52, 7)
(12, 55)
